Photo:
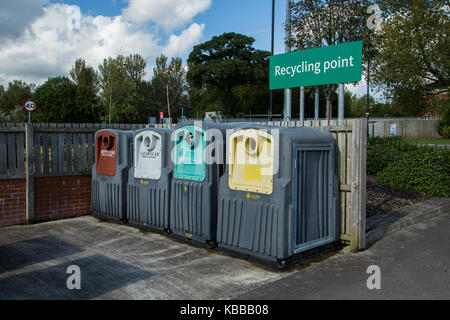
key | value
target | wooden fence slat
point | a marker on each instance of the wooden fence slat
(20, 148)
(61, 165)
(83, 146)
(91, 150)
(37, 153)
(11, 154)
(3, 154)
(342, 165)
(54, 154)
(45, 154)
(76, 152)
(69, 165)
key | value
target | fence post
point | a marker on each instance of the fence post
(358, 174)
(29, 172)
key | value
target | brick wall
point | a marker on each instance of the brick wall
(12, 202)
(61, 197)
(54, 198)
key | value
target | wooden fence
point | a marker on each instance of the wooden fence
(68, 149)
(55, 149)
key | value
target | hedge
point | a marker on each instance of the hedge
(409, 167)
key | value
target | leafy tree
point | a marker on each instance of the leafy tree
(12, 100)
(169, 86)
(358, 107)
(59, 100)
(84, 75)
(121, 84)
(318, 23)
(413, 51)
(221, 64)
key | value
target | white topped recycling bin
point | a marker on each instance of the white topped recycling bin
(148, 188)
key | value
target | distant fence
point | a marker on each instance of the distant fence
(409, 128)
(59, 150)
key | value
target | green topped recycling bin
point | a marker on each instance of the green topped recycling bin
(190, 153)
(198, 148)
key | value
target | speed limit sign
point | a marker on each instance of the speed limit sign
(29, 105)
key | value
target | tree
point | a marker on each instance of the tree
(225, 62)
(169, 86)
(121, 82)
(318, 23)
(59, 100)
(84, 75)
(12, 100)
(413, 51)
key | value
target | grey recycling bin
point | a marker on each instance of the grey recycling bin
(113, 159)
(148, 188)
(197, 169)
(278, 195)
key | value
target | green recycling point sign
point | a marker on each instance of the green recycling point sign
(326, 65)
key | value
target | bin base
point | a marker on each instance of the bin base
(106, 217)
(202, 242)
(147, 227)
(281, 264)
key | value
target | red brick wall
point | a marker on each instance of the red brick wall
(61, 197)
(54, 198)
(12, 202)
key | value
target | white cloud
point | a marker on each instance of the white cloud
(52, 43)
(185, 40)
(169, 14)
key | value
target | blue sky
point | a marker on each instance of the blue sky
(45, 39)
(249, 17)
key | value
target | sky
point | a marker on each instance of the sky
(46, 38)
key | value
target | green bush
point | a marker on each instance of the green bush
(378, 157)
(445, 132)
(444, 125)
(382, 151)
(409, 167)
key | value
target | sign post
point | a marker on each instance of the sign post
(30, 106)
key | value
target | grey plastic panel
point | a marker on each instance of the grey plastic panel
(314, 218)
(148, 187)
(108, 194)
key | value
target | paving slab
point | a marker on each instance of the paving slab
(414, 263)
(118, 262)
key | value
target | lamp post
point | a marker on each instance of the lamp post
(271, 50)
(288, 92)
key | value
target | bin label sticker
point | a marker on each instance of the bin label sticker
(150, 154)
(108, 153)
(252, 196)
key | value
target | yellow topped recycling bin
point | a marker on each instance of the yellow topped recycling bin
(277, 198)
(251, 161)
